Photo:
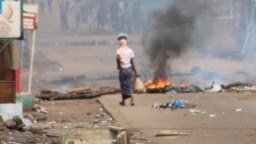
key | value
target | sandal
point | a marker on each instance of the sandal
(122, 103)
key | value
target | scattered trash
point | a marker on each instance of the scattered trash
(96, 121)
(215, 88)
(15, 123)
(27, 124)
(51, 123)
(212, 115)
(39, 108)
(238, 110)
(177, 104)
(35, 117)
(196, 111)
(170, 133)
(61, 113)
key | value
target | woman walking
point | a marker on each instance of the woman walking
(126, 67)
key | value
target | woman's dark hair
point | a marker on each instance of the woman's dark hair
(122, 37)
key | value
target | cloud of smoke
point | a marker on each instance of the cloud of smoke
(174, 30)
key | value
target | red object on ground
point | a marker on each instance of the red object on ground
(17, 81)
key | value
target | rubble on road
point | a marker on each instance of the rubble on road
(12, 136)
(80, 93)
(14, 123)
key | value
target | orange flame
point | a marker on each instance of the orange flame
(182, 85)
(158, 84)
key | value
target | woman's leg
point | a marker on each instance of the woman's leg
(132, 100)
(122, 103)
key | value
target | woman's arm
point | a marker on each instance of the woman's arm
(133, 67)
(118, 62)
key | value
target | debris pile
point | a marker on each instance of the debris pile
(214, 88)
(78, 93)
(15, 123)
(177, 104)
(240, 87)
(186, 89)
(232, 87)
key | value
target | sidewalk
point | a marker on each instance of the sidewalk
(227, 127)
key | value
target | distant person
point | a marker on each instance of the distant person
(76, 10)
(127, 70)
(114, 14)
(64, 11)
(92, 18)
(42, 5)
(121, 15)
(101, 17)
(84, 10)
(49, 2)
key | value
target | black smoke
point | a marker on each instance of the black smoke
(173, 31)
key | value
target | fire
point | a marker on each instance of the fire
(158, 84)
(182, 85)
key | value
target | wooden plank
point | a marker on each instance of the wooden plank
(7, 92)
(77, 94)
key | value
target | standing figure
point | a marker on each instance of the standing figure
(101, 16)
(127, 70)
(76, 11)
(92, 18)
(64, 11)
(121, 15)
(49, 2)
(42, 6)
(114, 14)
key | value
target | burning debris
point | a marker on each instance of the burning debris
(158, 86)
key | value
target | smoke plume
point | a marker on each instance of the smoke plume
(173, 31)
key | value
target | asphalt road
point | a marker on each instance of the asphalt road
(228, 127)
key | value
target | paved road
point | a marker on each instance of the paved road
(228, 127)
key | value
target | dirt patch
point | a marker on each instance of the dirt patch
(72, 110)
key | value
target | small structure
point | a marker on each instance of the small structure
(9, 62)
(112, 135)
